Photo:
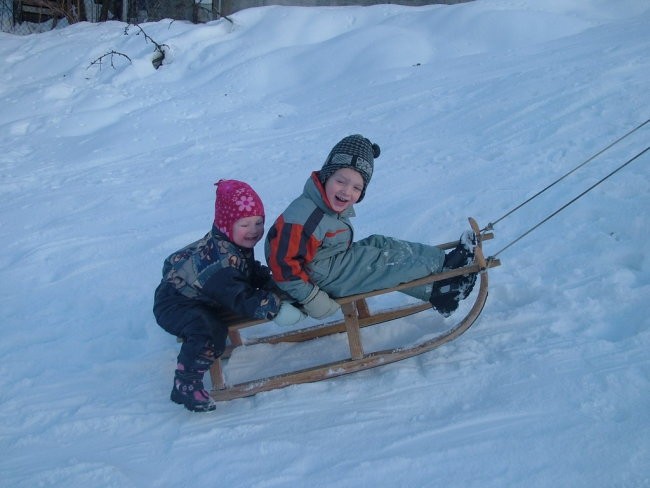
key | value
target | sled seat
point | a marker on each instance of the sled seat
(356, 315)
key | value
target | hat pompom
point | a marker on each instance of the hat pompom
(375, 150)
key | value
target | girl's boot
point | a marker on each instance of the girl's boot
(188, 387)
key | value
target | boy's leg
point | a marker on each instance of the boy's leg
(378, 262)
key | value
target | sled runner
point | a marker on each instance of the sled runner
(356, 315)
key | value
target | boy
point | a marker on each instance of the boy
(313, 257)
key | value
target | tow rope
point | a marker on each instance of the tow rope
(491, 225)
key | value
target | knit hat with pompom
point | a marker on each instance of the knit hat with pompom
(235, 200)
(354, 152)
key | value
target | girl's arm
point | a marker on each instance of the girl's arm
(231, 288)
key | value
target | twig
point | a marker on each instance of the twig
(100, 59)
(159, 48)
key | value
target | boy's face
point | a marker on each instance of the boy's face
(343, 189)
(247, 231)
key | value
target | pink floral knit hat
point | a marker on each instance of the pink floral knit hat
(235, 200)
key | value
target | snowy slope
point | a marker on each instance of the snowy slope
(105, 170)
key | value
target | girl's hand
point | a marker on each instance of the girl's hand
(288, 315)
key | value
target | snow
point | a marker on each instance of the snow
(105, 170)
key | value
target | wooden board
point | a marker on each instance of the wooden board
(356, 316)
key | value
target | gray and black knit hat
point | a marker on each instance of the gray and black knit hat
(354, 152)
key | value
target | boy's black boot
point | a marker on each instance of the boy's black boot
(463, 253)
(446, 294)
(188, 387)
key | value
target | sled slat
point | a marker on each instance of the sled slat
(352, 328)
(216, 375)
(241, 323)
(327, 329)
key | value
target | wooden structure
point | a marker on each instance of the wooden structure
(38, 11)
(356, 316)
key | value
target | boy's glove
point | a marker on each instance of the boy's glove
(319, 305)
(289, 315)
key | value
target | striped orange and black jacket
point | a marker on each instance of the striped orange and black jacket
(302, 245)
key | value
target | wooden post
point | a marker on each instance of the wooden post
(216, 375)
(363, 311)
(235, 337)
(352, 328)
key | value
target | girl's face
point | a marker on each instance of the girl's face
(343, 189)
(247, 231)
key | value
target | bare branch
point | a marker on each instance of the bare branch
(159, 50)
(100, 60)
(224, 17)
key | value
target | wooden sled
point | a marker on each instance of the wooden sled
(356, 316)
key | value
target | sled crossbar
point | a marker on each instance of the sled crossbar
(356, 315)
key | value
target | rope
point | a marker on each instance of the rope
(491, 225)
(571, 201)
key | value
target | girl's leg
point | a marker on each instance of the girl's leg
(204, 341)
(199, 329)
(195, 358)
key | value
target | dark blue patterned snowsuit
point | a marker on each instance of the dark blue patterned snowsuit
(205, 281)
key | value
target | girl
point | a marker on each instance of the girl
(313, 257)
(210, 278)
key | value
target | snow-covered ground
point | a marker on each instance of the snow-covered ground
(105, 170)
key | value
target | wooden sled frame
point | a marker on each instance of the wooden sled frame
(356, 316)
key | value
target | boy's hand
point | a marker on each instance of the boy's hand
(319, 305)
(288, 315)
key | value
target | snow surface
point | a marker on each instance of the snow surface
(105, 170)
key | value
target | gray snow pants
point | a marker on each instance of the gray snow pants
(377, 262)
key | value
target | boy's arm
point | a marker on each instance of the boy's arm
(289, 248)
